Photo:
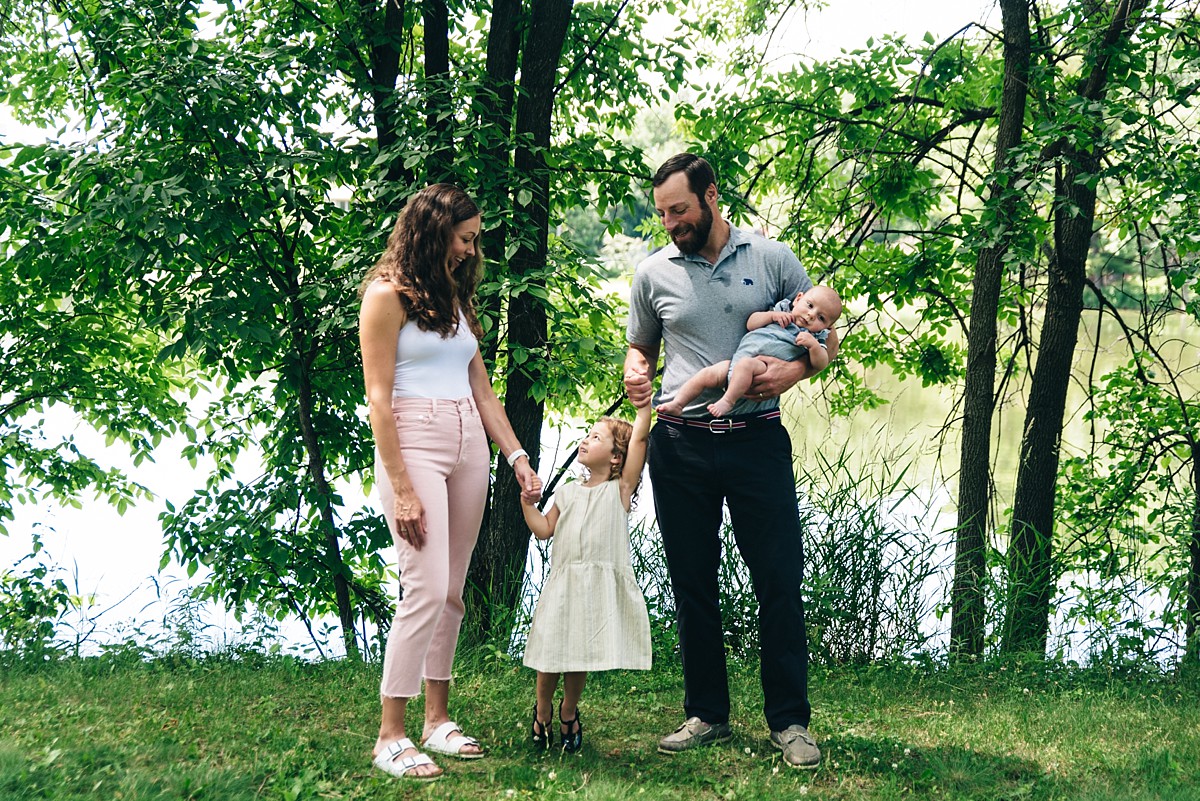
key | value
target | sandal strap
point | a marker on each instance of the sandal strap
(397, 747)
(408, 763)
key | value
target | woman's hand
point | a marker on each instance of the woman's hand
(410, 518)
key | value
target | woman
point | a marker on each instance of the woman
(430, 406)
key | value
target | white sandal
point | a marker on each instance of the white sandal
(440, 741)
(388, 762)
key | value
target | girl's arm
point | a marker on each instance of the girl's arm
(635, 459)
(499, 430)
(380, 320)
(542, 525)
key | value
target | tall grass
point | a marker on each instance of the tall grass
(873, 578)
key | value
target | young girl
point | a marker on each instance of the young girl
(591, 614)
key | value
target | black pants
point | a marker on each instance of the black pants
(693, 472)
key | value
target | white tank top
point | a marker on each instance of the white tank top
(428, 366)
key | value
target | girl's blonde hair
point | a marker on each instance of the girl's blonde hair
(622, 433)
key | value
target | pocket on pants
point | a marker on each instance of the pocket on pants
(409, 421)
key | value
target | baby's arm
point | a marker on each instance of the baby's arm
(818, 356)
(764, 318)
(635, 457)
(542, 525)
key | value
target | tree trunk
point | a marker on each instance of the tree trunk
(498, 567)
(384, 40)
(439, 166)
(974, 475)
(316, 471)
(494, 107)
(1031, 569)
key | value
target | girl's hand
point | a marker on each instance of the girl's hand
(530, 481)
(410, 518)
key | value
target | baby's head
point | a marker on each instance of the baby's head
(817, 309)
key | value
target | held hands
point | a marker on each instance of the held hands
(410, 518)
(529, 480)
(638, 387)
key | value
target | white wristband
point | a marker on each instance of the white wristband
(515, 455)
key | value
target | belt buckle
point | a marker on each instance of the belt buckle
(720, 425)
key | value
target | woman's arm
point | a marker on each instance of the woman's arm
(380, 320)
(499, 430)
(635, 458)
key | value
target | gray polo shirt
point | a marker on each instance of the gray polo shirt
(698, 311)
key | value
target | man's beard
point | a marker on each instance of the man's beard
(691, 239)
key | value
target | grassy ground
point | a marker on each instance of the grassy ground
(282, 730)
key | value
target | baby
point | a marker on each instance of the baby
(790, 330)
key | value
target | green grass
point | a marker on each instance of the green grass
(277, 729)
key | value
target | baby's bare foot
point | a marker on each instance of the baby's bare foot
(720, 408)
(670, 407)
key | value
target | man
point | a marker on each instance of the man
(695, 296)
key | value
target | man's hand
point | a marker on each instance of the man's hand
(778, 378)
(639, 388)
(639, 385)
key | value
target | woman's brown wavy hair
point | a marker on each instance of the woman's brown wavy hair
(416, 261)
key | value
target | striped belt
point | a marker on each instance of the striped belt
(721, 425)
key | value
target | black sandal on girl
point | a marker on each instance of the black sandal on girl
(542, 737)
(572, 738)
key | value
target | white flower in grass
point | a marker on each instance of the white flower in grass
(775, 769)
(908, 752)
(552, 775)
(746, 749)
(895, 766)
(804, 790)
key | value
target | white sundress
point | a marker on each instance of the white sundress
(591, 614)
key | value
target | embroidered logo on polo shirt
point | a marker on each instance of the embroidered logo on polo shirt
(747, 282)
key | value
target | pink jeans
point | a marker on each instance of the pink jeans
(446, 454)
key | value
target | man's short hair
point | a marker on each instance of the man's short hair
(699, 172)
